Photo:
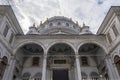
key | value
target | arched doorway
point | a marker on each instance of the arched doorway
(29, 57)
(3, 65)
(92, 59)
(61, 61)
(117, 63)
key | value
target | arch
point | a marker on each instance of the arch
(83, 74)
(94, 75)
(57, 42)
(28, 42)
(5, 59)
(38, 75)
(116, 58)
(26, 75)
(92, 42)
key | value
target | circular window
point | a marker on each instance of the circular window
(67, 24)
(74, 26)
(59, 24)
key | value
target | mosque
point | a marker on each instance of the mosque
(59, 49)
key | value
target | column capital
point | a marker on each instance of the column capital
(107, 56)
(45, 56)
(77, 56)
(76, 52)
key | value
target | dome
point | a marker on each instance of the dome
(85, 30)
(59, 25)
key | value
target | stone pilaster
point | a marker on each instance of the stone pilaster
(9, 70)
(111, 69)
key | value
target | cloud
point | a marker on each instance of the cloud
(91, 12)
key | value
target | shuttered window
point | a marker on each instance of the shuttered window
(11, 38)
(109, 37)
(115, 30)
(6, 31)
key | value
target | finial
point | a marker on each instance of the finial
(40, 22)
(83, 24)
(33, 24)
(70, 19)
(76, 22)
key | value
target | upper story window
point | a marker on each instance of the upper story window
(5, 31)
(109, 37)
(58, 23)
(84, 61)
(115, 30)
(35, 61)
(67, 24)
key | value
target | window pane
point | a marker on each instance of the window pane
(115, 30)
(109, 37)
(5, 31)
(59, 61)
(11, 38)
(84, 61)
(35, 61)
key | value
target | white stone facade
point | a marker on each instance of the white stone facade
(59, 49)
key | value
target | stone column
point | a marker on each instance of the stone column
(78, 68)
(44, 67)
(9, 70)
(115, 69)
(111, 70)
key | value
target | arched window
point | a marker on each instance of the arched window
(51, 24)
(84, 76)
(94, 76)
(106, 76)
(3, 65)
(74, 26)
(67, 24)
(117, 63)
(26, 76)
(37, 76)
(58, 23)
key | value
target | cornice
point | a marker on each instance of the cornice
(113, 10)
(8, 12)
(73, 36)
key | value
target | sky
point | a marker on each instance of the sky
(90, 12)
